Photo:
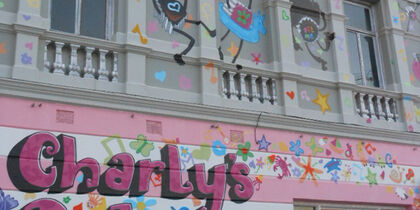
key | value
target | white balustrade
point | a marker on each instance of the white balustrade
(376, 106)
(248, 87)
(82, 61)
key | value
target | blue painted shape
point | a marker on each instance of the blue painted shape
(295, 147)
(333, 164)
(161, 75)
(219, 148)
(250, 35)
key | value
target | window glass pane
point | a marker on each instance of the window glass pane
(354, 57)
(93, 20)
(63, 13)
(369, 61)
(358, 16)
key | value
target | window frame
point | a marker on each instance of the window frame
(109, 19)
(374, 35)
(344, 206)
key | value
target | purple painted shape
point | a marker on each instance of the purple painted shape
(44, 204)
(123, 206)
(172, 186)
(66, 162)
(142, 174)
(118, 177)
(29, 165)
(213, 189)
(26, 59)
(241, 187)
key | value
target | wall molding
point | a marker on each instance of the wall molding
(100, 99)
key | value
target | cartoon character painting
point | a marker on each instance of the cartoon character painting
(172, 15)
(308, 21)
(240, 20)
(410, 14)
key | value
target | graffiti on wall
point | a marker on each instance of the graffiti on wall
(172, 16)
(122, 176)
(409, 14)
(239, 19)
(308, 26)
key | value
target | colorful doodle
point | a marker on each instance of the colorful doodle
(172, 15)
(295, 147)
(307, 26)
(263, 144)
(322, 101)
(309, 170)
(239, 19)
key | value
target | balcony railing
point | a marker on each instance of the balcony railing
(80, 61)
(249, 87)
(376, 106)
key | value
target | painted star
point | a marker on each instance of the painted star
(2, 49)
(309, 170)
(263, 144)
(233, 49)
(322, 101)
(371, 177)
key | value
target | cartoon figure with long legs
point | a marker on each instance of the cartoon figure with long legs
(410, 14)
(239, 19)
(307, 23)
(172, 15)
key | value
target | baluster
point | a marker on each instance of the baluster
(358, 101)
(225, 83)
(89, 71)
(233, 91)
(59, 67)
(274, 92)
(265, 96)
(383, 106)
(364, 106)
(47, 63)
(375, 104)
(387, 109)
(255, 93)
(370, 104)
(244, 92)
(393, 108)
(103, 72)
(114, 74)
(74, 68)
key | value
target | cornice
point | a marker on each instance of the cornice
(132, 103)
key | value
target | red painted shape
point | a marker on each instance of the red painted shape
(291, 94)
(78, 206)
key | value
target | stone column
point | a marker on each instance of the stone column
(135, 75)
(339, 51)
(210, 76)
(29, 26)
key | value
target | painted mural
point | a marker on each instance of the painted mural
(188, 165)
(172, 15)
(409, 15)
(310, 32)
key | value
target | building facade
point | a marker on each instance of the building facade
(210, 104)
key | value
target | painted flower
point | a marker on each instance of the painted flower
(296, 172)
(243, 16)
(141, 203)
(260, 162)
(7, 202)
(243, 150)
(184, 151)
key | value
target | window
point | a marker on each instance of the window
(362, 44)
(92, 18)
(326, 206)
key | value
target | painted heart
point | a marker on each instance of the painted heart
(175, 6)
(29, 45)
(416, 69)
(203, 153)
(26, 17)
(328, 152)
(291, 94)
(161, 75)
